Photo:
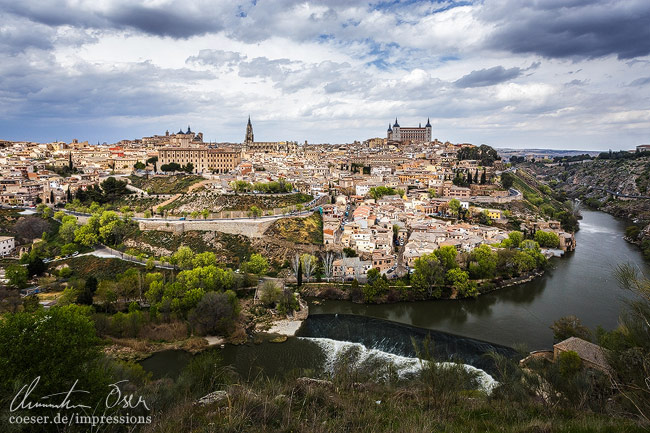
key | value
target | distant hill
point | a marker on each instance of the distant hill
(506, 153)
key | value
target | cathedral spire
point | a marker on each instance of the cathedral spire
(249, 139)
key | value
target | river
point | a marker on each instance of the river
(581, 284)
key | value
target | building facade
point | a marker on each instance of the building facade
(203, 158)
(409, 134)
(7, 245)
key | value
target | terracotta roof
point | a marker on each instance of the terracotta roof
(587, 351)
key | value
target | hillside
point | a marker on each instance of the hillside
(603, 184)
(307, 230)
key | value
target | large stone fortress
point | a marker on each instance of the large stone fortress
(251, 146)
(410, 134)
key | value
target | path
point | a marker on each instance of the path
(176, 196)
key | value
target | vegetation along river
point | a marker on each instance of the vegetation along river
(581, 283)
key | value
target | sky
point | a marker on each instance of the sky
(564, 74)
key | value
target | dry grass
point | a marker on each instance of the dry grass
(164, 331)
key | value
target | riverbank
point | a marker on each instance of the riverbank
(135, 350)
(402, 293)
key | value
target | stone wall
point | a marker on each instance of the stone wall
(250, 228)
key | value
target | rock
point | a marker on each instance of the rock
(308, 381)
(213, 397)
(279, 339)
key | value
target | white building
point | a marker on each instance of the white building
(7, 245)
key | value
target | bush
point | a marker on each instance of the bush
(569, 326)
(269, 293)
(632, 232)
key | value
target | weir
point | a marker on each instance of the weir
(398, 339)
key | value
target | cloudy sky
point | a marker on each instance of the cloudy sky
(571, 74)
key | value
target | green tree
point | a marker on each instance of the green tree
(547, 239)
(507, 180)
(254, 212)
(516, 238)
(183, 257)
(454, 207)
(483, 262)
(215, 313)
(459, 280)
(58, 345)
(257, 264)
(447, 256)
(88, 234)
(569, 326)
(204, 259)
(67, 231)
(428, 275)
(17, 276)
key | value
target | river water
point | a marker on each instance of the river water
(581, 284)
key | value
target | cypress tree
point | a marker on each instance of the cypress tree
(299, 277)
(483, 177)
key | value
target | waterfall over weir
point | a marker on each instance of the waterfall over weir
(394, 341)
(384, 362)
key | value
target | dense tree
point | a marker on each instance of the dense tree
(569, 326)
(269, 293)
(113, 189)
(35, 266)
(67, 231)
(172, 166)
(507, 180)
(254, 212)
(257, 264)
(485, 154)
(88, 234)
(547, 239)
(459, 280)
(428, 275)
(17, 276)
(215, 313)
(378, 192)
(30, 227)
(183, 257)
(447, 256)
(454, 207)
(58, 345)
(483, 262)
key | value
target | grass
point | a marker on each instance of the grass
(350, 405)
(307, 230)
(165, 184)
(100, 268)
(231, 249)
(237, 202)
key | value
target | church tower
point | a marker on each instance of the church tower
(249, 133)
